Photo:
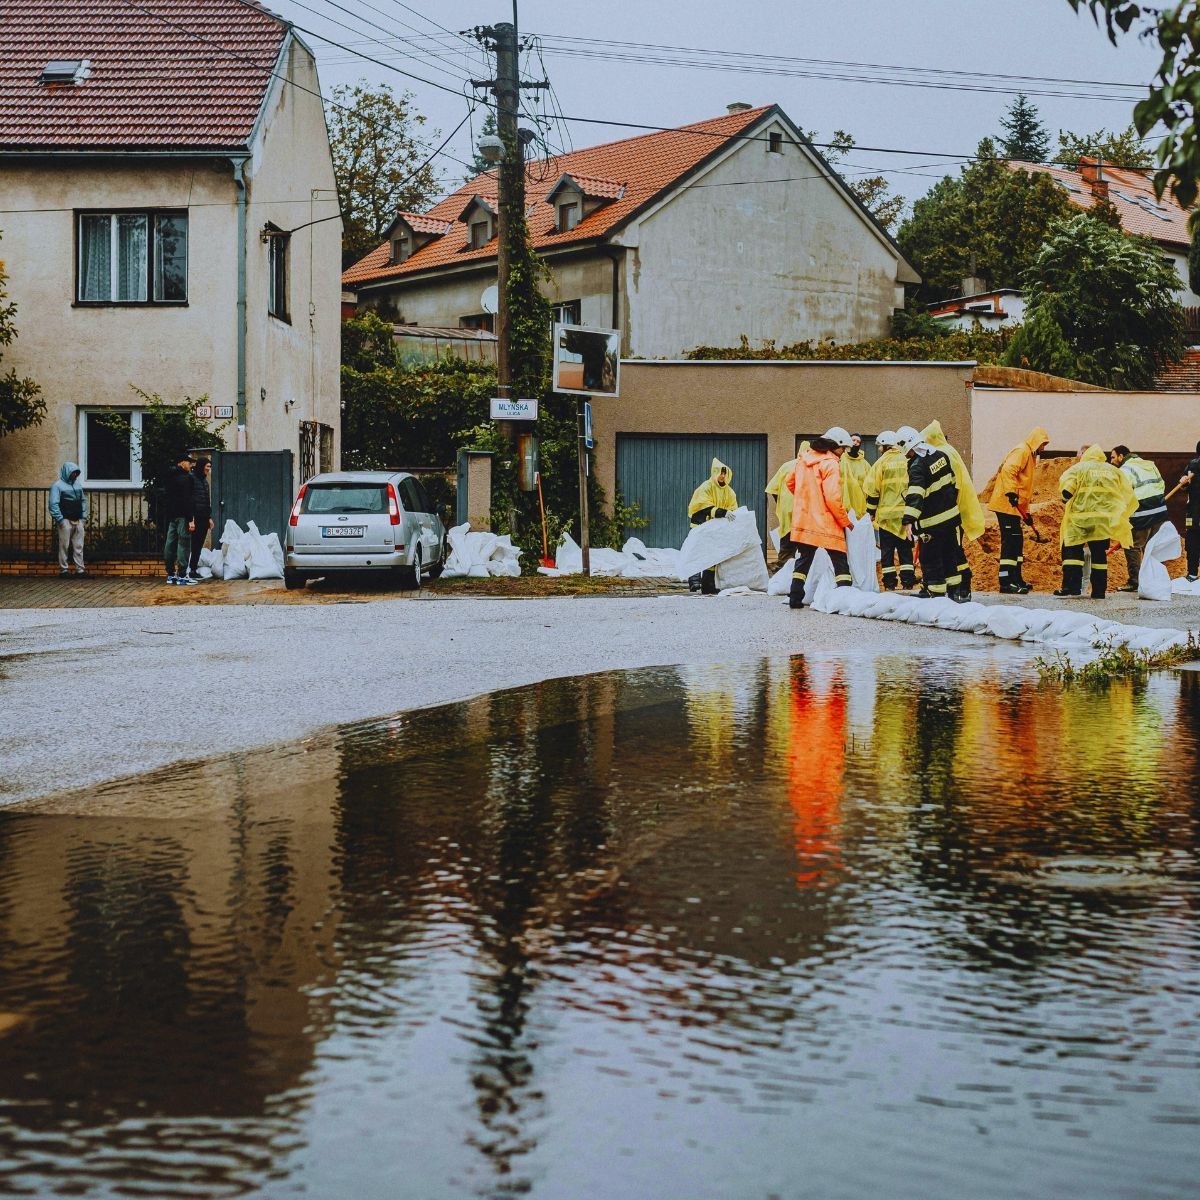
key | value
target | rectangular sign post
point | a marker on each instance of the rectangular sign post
(588, 440)
(513, 410)
(585, 541)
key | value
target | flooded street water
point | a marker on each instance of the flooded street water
(810, 927)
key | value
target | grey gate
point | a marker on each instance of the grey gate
(660, 471)
(252, 485)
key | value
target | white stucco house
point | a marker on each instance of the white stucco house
(169, 223)
(685, 237)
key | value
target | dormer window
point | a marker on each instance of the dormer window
(480, 233)
(401, 248)
(65, 70)
(568, 215)
(411, 232)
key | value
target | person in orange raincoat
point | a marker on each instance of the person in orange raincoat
(819, 518)
(1012, 494)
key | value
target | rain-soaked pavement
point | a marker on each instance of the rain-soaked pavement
(827, 927)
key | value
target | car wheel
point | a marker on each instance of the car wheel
(414, 572)
(292, 579)
(435, 572)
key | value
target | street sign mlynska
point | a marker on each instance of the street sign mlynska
(514, 410)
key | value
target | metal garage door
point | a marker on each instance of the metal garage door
(659, 472)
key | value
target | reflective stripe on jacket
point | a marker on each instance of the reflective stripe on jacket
(932, 497)
(1148, 489)
(885, 489)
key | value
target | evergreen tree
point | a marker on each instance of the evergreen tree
(1025, 137)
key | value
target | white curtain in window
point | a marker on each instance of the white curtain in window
(95, 258)
(131, 257)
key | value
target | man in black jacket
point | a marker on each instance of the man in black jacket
(180, 511)
(931, 515)
(1192, 537)
(203, 512)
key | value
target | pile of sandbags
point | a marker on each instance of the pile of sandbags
(480, 555)
(243, 554)
(861, 553)
(634, 560)
(1057, 629)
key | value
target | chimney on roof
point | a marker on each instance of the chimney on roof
(738, 106)
(1092, 172)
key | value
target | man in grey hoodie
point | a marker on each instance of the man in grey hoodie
(68, 511)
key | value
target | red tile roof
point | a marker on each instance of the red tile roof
(1133, 195)
(648, 166)
(422, 224)
(601, 189)
(153, 85)
(1182, 376)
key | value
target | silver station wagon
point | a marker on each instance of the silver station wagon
(363, 521)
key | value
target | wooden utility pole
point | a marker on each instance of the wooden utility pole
(585, 537)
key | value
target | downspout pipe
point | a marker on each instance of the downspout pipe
(617, 255)
(239, 181)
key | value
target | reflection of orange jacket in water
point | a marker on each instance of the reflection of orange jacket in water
(816, 761)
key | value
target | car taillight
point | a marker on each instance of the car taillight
(295, 517)
(393, 506)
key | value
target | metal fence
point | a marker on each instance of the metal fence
(119, 525)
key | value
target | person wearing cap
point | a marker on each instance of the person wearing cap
(885, 489)
(179, 509)
(203, 517)
(931, 514)
(1012, 494)
(819, 517)
(1150, 493)
(713, 500)
(854, 468)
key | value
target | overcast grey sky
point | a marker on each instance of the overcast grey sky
(1012, 37)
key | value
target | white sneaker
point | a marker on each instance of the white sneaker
(172, 579)
(186, 581)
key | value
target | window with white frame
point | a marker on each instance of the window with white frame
(110, 442)
(567, 312)
(131, 258)
(568, 215)
(278, 251)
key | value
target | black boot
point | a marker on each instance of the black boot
(693, 583)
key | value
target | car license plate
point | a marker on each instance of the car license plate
(330, 531)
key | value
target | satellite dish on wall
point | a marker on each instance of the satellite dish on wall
(490, 300)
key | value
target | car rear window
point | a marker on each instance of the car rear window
(326, 498)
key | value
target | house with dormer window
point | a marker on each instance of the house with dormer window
(728, 227)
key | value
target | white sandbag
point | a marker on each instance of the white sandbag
(820, 572)
(649, 562)
(781, 582)
(774, 535)
(261, 563)
(272, 541)
(863, 554)
(716, 541)
(1181, 587)
(233, 552)
(1009, 623)
(746, 569)
(1154, 583)
(478, 555)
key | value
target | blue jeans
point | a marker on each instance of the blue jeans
(178, 547)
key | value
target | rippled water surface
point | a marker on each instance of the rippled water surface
(782, 928)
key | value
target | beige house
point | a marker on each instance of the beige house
(169, 224)
(685, 237)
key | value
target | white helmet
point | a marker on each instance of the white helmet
(839, 437)
(885, 439)
(907, 437)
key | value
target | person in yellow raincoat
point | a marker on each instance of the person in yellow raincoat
(1012, 494)
(713, 500)
(854, 468)
(1100, 501)
(970, 510)
(885, 488)
(784, 500)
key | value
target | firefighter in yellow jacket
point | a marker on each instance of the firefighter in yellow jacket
(1100, 501)
(1012, 494)
(885, 488)
(714, 499)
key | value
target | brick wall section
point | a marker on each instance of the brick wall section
(130, 567)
